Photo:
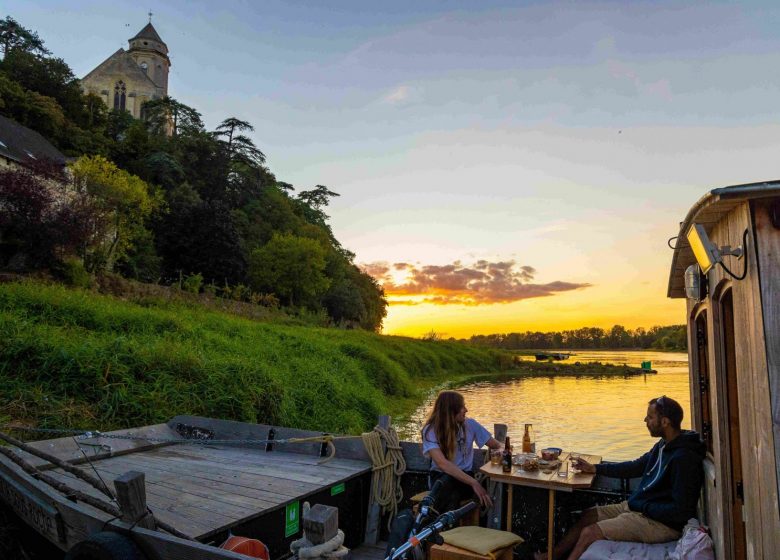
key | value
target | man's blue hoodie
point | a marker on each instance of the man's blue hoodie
(672, 476)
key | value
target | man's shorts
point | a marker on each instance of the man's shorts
(618, 523)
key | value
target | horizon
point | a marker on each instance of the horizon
(501, 168)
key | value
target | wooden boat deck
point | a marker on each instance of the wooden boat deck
(204, 489)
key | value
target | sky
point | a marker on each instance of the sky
(502, 166)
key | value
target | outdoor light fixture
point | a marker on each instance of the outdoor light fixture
(695, 283)
(706, 252)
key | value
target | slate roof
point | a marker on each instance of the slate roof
(20, 144)
(148, 32)
(123, 64)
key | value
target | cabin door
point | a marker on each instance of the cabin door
(737, 498)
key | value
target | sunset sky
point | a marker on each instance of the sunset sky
(502, 166)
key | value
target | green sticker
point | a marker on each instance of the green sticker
(338, 489)
(291, 519)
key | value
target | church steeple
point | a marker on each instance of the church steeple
(151, 54)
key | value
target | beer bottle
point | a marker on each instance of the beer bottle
(527, 439)
(506, 458)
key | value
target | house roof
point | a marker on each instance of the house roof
(708, 211)
(121, 63)
(21, 144)
(148, 32)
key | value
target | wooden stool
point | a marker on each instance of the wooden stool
(449, 552)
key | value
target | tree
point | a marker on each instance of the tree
(168, 114)
(121, 203)
(33, 213)
(14, 36)
(291, 267)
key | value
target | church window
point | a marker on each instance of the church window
(120, 95)
(144, 67)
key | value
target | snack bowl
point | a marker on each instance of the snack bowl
(520, 458)
(530, 465)
(551, 453)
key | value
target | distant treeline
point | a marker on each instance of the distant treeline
(671, 337)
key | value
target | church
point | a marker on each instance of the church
(129, 77)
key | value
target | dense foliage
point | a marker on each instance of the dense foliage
(166, 199)
(73, 358)
(661, 338)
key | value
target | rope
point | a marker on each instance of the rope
(388, 466)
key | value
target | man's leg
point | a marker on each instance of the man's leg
(588, 536)
(589, 517)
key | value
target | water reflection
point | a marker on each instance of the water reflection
(600, 415)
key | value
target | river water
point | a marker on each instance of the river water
(598, 415)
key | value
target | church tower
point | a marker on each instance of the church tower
(151, 54)
(129, 78)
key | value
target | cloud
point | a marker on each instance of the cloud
(481, 283)
(397, 95)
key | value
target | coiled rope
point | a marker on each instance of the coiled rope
(388, 466)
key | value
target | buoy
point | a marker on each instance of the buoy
(249, 547)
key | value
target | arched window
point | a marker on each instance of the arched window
(144, 67)
(119, 95)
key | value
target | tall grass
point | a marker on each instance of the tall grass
(72, 358)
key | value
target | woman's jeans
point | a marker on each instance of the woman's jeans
(451, 493)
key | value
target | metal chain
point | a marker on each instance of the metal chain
(90, 434)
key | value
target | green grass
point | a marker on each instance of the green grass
(72, 358)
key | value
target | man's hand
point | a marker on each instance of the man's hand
(484, 497)
(583, 466)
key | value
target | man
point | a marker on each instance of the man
(665, 499)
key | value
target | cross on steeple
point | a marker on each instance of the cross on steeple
(150, 16)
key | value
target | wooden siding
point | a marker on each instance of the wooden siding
(762, 521)
(768, 250)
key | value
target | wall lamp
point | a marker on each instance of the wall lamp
(708, 254)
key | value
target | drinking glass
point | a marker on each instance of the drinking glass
(573, 458)
(495, 456)
(563, 469)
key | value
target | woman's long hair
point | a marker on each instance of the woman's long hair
(442, 421)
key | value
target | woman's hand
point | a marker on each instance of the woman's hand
(481, 493)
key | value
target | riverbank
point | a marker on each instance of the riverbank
(73, 358)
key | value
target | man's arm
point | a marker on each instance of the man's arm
(626, 469)
(687, 477)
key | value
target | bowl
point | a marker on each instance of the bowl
(551, 453)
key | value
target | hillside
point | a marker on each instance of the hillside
(73, 358)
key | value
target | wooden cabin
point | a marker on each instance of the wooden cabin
(734, 360)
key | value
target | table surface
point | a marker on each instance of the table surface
(538, 479)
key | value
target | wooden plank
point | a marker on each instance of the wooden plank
(229, 429)
(767, 295)
(311, 478)
(288, 461)
(68, 450)
(214, 496)
(258, 486)
(374, 509)
(37, 513)
(186, 519)
(225, 490)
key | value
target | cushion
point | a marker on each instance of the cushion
(479, 539)
(620, 550)
(417, 498)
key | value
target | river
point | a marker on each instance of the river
(598, 415)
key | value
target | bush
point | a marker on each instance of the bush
(72, 272)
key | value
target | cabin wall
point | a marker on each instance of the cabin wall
(768, 249)
(758, 453)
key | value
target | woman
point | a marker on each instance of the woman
(448, 440)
